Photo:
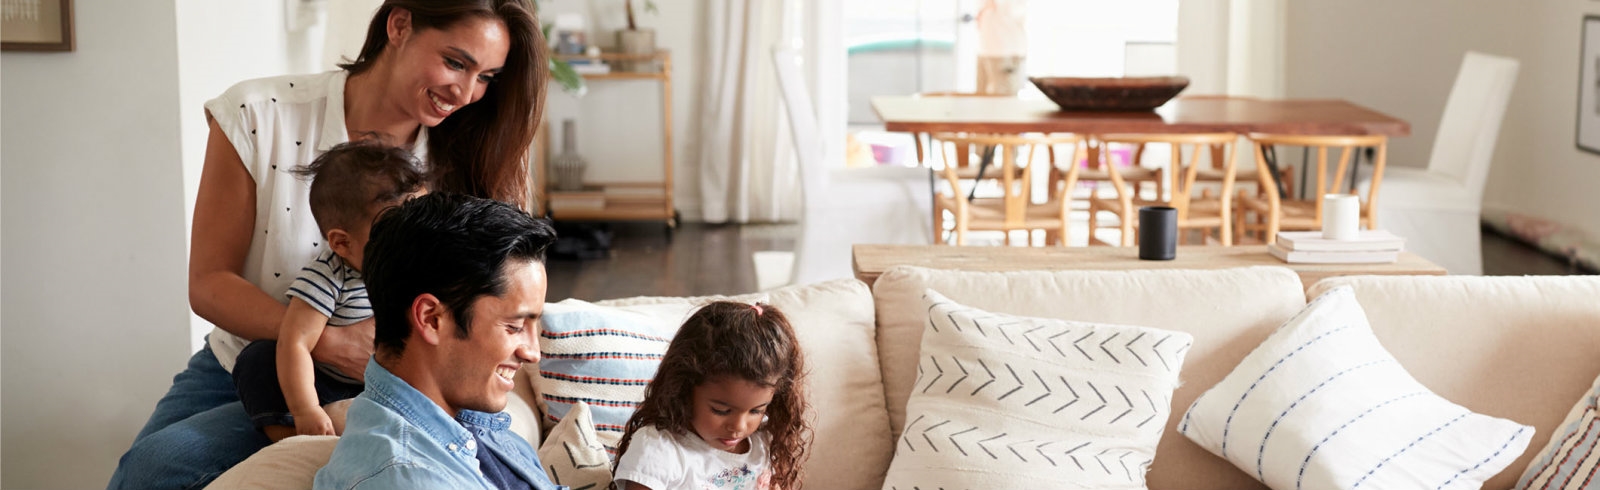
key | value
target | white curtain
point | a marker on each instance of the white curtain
(1232, 47)
(748, 168)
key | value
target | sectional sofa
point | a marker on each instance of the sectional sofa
(1524, 349)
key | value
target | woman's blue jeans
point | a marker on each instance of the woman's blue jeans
(198, 431)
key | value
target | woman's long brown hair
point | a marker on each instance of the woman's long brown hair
(482, 149)
(751, 342)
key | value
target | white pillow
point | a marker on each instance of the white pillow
(1006, 401)
(573, 456)
(1322, 405)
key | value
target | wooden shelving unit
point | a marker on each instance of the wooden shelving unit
(623, 201)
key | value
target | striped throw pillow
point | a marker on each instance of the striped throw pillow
(1322, 405)
(1570, 461)
(603, 357)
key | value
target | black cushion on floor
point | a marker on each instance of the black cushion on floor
(581, 241)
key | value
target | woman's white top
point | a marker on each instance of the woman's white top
(666, 461)
(276, 124)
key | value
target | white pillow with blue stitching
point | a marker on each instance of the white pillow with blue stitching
(1322, 405)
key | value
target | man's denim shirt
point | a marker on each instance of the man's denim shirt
(396, 438)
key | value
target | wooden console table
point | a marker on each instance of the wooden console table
(871, 260)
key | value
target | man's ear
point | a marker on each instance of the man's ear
(429, 318)
(339, 242)
(399, 26)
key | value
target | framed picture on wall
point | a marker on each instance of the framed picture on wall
(1589, 87)
(36, 25)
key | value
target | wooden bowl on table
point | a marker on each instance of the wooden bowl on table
(1110, 94)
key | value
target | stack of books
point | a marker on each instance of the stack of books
(589, 200)
(589, 66)
(1309, 247)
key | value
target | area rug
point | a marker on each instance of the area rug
(1560, 240)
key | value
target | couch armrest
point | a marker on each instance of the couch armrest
(290, 464)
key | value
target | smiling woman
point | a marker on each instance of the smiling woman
(443, 56)
(460, 83)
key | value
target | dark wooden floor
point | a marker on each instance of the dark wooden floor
(1504, 256)
(696, 260)
(701, 259)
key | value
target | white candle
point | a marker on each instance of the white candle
(1341, 216)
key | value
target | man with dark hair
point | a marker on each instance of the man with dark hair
(457, 285)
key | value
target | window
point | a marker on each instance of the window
(900, 47)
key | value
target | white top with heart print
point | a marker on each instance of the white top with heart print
(276, 124)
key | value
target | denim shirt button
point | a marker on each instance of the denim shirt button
(451, 447)
(472, 445)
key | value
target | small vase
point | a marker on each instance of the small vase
(569, 166)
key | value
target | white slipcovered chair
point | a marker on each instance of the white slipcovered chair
(1436, 209)
(843, 206)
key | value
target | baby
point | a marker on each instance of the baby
(350, 185)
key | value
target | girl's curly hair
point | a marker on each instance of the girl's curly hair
(751, 342)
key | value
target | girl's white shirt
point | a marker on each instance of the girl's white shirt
(276, 124)
(666, 461)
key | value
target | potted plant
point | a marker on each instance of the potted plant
(636, 41)
(561, 71)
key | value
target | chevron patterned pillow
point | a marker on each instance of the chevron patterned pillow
(1322, 405)
(1572, 458)
(572, 454)
(1006, 401)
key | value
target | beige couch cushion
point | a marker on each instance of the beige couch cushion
(1521, 348)
(834, 321)
(1228, 312)
(290, 464)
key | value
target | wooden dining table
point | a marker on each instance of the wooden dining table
(1201, 114)
(1195, 114)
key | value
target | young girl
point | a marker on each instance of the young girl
(727, 408)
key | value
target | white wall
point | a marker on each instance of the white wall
(94, 311)
(219, 44)
(1401, 58)
(1232, 47)
(619, 121)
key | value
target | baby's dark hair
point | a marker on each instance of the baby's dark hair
(352, 181)
(751, 342)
